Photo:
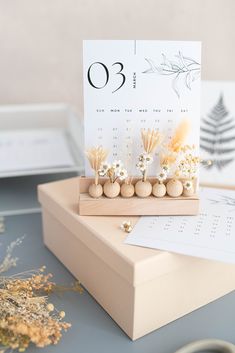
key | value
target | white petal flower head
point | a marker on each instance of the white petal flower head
(105, 166)
(122, 174)
(117, 165)
(102, 172)
(141, 166)
(126, 226)
(166, 168)
(162, 176)
(188, 185)
(148, 159)
(141, 157)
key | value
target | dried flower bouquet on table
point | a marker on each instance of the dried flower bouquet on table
(26, 315)
(175, 178)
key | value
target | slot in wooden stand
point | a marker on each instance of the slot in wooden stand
(134, 206)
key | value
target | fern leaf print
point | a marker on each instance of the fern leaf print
(218, 135)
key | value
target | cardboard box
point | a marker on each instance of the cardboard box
(142, 289)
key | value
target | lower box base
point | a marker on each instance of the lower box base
(139, 309)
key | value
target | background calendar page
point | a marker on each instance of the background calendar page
(209, 235)
(134, 84)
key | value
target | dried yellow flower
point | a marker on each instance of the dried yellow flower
(50, 307)
(179, 136)
(62, 314)
(151, 139)
(96, 156)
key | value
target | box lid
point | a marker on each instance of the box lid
(105, 238)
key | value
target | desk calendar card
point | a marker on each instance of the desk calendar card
(134, 84)
(33, 149)
(209, 235)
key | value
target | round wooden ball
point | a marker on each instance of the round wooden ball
(159, 190)
(111, 190)
(143, 188)
(95, 191)
(174, 188)
(188, 192)
(127, 190)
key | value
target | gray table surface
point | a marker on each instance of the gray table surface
(93, 330)
(18, 195)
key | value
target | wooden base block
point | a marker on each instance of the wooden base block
(134, 206)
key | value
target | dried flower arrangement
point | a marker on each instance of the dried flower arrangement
(114, 172)
(151, 140)
(174, 186)
(26, 315)
(96, 156)
(178, 168)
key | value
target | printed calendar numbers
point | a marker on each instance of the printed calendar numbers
(126, 86)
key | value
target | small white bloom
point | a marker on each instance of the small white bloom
(126, 226)
(102, 172)
(141, 166)
(162, 176)
(148, 159)
(141, 157)
(105, 166)
(166, 168)
(122, 174)
(188, 184)
(117, 164)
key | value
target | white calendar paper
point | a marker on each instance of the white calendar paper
(134, 84)
(22, 150)
(210, 235)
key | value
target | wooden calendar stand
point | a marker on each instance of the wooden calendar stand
(134, 206)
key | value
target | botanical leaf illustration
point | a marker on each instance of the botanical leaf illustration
(218, 135)
(182, 68)
(224, 200)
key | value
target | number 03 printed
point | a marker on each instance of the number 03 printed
(132, 84)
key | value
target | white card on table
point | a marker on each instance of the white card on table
(210, 235)
(134, 84)
(33, 149)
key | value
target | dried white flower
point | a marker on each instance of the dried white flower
(162, 176)
(166, 168)
(126, 226)
(141, 166)
(9, 261)
(117, 164)
(122, 174)
(188, 185)
(104, 169)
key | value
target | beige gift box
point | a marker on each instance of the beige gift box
(141, 289)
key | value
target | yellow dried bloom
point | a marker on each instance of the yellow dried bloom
(50, 307)
(25, 314)
(167, 159)
(96, 156)
(179, 136)
(62, 314)
(151, 139)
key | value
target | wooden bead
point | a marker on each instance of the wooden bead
(143, 188)
(159, 190)
(174, 188)
(188, 192)
(111, 190)
(127, 190)
(95, 191)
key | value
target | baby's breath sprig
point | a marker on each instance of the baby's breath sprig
(113, 171)
(151, 139)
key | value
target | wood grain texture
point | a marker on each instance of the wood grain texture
(134, 206)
